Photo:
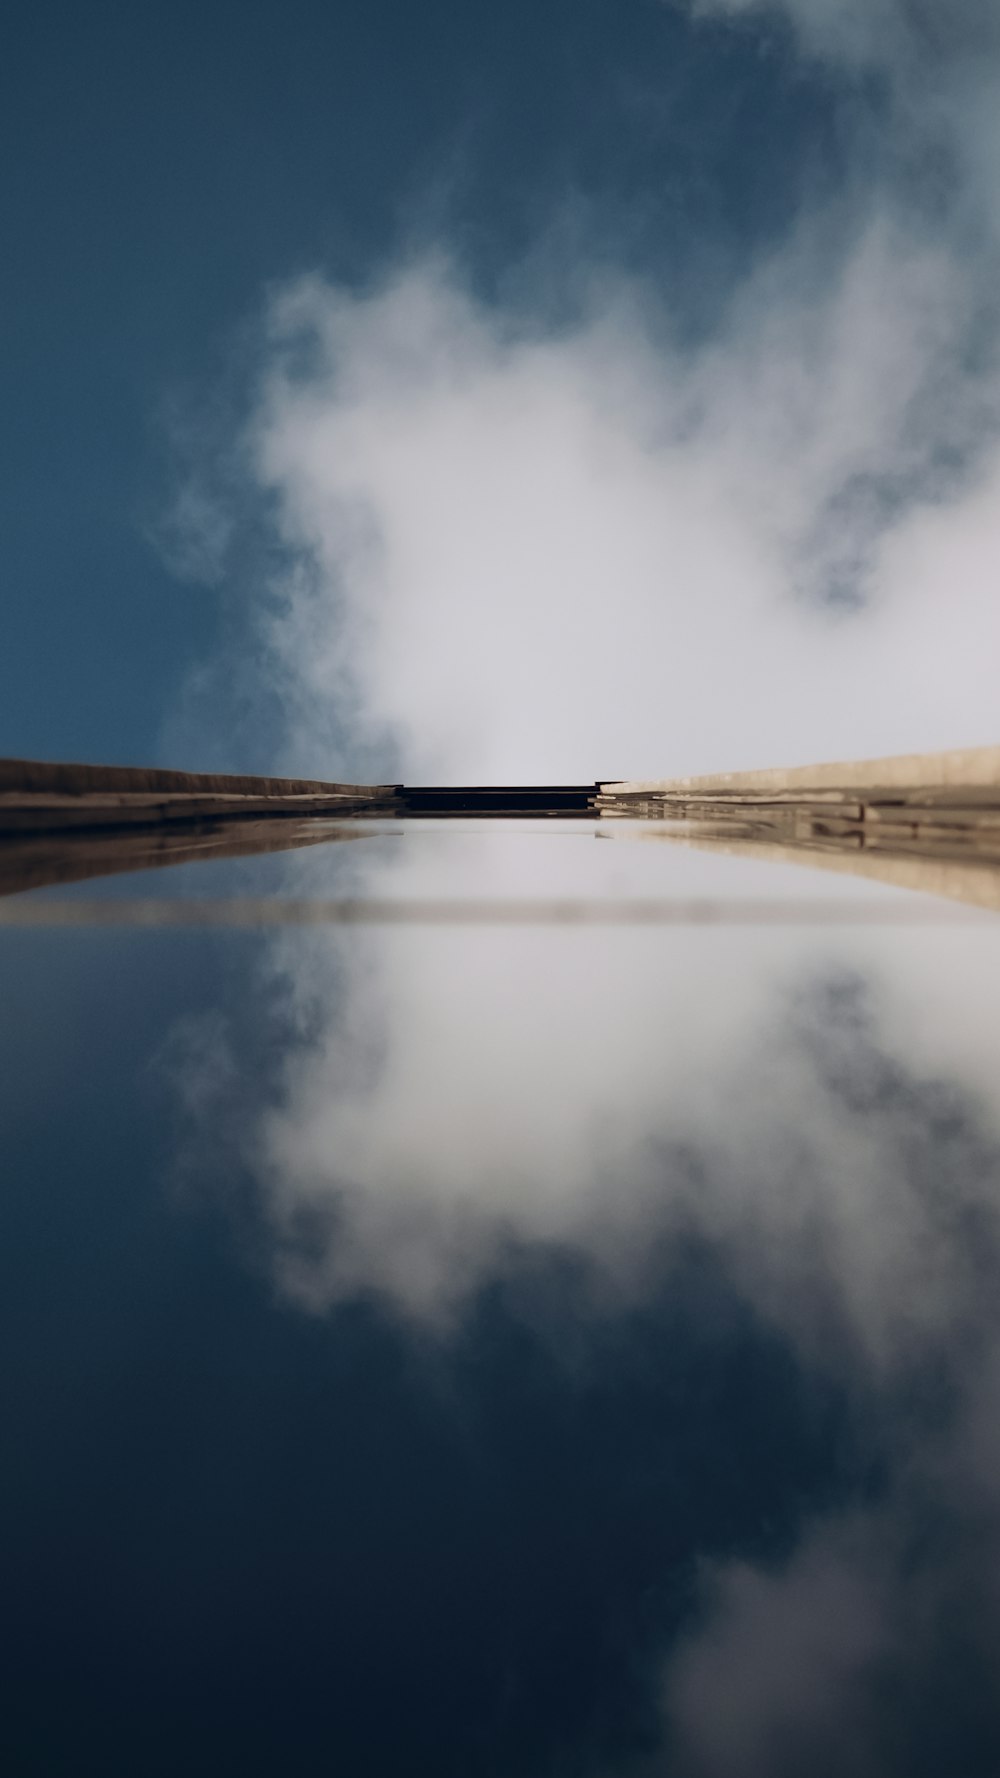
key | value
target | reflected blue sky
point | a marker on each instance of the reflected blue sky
(597, 1373)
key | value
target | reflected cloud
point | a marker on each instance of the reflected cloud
(448, 1094)
(818, 1111)
(786, 1669)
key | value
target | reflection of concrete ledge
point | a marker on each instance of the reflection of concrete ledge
(974, 880)
(33, 859)
(936, 806)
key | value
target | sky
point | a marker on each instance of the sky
(377, 378)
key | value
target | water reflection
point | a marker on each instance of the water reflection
(624, 1323)
(41, 860)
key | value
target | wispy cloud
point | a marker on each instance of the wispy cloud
(783, 1673)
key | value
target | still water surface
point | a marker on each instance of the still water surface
(492, 1350)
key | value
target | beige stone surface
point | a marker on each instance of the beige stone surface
(970, 767)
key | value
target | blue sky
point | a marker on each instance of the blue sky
(165, 167)
(348, 346)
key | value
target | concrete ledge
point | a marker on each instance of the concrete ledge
(962, 768)
(59, 778)
(38, 796)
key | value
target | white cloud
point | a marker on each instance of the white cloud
(563, 557)
(515, 550)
